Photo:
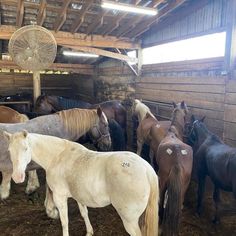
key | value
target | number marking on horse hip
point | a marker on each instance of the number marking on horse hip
(184, 152)
(169, 151)
(125, 164)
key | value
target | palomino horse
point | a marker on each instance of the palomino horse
(146, 129)
(46, 104)
(213, 158)
(174, 159)
(69, 124)
(8, 115)
(93, 179)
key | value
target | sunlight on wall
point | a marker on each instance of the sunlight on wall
(207, 46)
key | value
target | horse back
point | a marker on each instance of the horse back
(173, 151)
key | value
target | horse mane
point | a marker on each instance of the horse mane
(78, 121)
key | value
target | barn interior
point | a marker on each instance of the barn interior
(127, 67)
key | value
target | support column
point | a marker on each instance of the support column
(36, 85)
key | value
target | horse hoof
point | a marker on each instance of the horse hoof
(4, 195)
(89, 234)
(31, 189)
(53, 213)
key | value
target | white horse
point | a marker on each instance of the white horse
(93, 179)
(140, 109)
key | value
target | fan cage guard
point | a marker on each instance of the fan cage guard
(33, 48)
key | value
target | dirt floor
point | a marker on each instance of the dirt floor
(23, 215)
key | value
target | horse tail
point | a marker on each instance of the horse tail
(150, 218)
(172, 211)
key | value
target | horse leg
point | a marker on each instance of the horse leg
(33, 182)
(6, 184)
(216, 197)
(151, 156)
(84, 213)
(139, 147)
(132, 227)
(61, 204)
(201, 190)
(49, 204)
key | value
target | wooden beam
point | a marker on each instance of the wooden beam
(128, 64)
(42, 12)
(20, 13)
(66, 38)
(116, 21)
(126, 28)
(102, 52)
(230, 48)
(97, 22)
(61, 17)
(80, 19)
(74, 68)
(144, 26)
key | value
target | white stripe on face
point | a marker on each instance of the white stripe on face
(105, 118)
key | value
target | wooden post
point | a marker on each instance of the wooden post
(140, 61)
(37, 85)
(230, 48)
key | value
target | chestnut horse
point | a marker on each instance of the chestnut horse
(174, 159)
(9, 115)
(148, 126)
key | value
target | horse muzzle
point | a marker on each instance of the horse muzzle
(18, 177)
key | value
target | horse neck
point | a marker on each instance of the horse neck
(78, 121)
(142, 111)
(202, 133)
(177, 126)
(42, 151)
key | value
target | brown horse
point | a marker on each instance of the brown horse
(174, 159)
(8, 115)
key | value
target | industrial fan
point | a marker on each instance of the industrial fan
(33, 48)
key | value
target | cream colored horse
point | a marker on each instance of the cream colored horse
(93, 179)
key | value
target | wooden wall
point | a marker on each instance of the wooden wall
(114, 81)
(12, 83)
(199, 83)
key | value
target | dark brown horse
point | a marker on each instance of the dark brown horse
(174, 159)
(46, 104)
(215, 159)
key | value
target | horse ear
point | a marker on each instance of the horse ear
(174, 104)
(7, 135)
(99, 111)
(203, 118)
(25, 133)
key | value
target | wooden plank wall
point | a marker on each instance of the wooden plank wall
(114, 81)
(83, 87)
(56, 84)
(230, 113)
(199, 83)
